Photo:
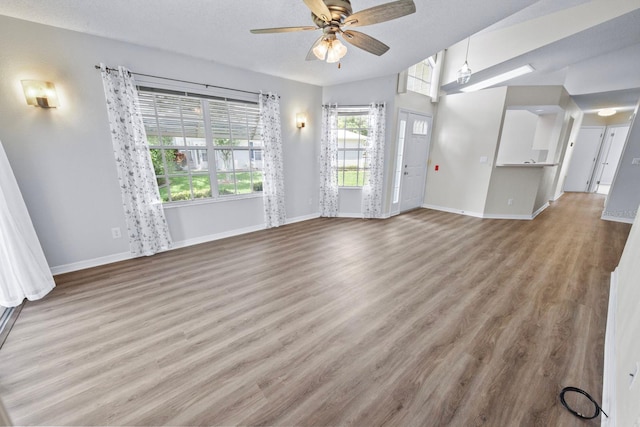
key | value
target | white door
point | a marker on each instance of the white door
(411, 168)
(616, 137)
(584, 159)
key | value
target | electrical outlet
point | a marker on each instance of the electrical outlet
(510, 202)
(310, 201)
(115, 233)
(635, 161)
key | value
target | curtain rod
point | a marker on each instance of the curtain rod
(187, 81)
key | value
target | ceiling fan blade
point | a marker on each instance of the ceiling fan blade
(365, 42)
(384, 12)
(319, 9)
(282, 30)
(310, 55)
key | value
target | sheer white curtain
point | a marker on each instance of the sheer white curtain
(372, 189)
(147, 227)
(273, 174)
(24, 272)
(329, 162)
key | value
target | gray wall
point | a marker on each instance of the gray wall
(624, 196)
(63, 160)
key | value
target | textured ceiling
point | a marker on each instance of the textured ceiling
(218, 30)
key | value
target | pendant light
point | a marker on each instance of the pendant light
(464, 73)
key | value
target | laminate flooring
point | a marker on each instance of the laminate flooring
(424, 319)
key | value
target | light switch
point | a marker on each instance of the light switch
(635, 161)
(484, 159)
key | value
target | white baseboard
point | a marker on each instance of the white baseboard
(519, 217)
(452, 210)
(217, 236)
(487, 216)
(109, 259)
(542, 208)
(617, 219)
(88, 263)
(303, 218)
(558, 196)
(609, 373)
(350, 215)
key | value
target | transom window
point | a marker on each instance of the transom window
(202, 147)
(419, 77)
(352, 130)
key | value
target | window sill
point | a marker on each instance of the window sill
(349, 188)
(186, 203)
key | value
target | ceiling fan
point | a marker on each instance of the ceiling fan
(335, 17)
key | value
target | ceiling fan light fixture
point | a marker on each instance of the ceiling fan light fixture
(320, 51)
(336, 51)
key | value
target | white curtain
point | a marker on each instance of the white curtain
(24, 272)
(372, 189)
(273, 174)
(147, 227)
(329, 162)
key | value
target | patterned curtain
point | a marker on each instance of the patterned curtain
(329, 162)
(273, 175)
(147, 227)
(372, 189)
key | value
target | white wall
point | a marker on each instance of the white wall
(467, 128)
(63, 161)
(518, 136)
(627, 330)
(624, 195)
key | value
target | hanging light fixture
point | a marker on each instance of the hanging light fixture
(464, 73)
(330, 49)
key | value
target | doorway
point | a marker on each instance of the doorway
(595, 158)
(610, 153)
(414, 137)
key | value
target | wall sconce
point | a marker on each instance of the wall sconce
(301, 120)
(40, 94)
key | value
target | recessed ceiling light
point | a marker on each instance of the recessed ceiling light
(525, 69)
(606, 112)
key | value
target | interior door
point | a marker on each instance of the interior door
(584, 159)
(617, 137)
(414, 162)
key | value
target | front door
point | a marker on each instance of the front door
(413, 164)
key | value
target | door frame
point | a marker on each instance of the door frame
(598, 167)
(395, 207)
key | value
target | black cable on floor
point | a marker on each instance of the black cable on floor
(597, 411)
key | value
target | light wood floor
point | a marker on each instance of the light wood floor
(425, 319)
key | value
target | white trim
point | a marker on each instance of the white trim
(88, 263)
(217, 236)
(303, 218)
(350, 215)
(557, 196)
(505, 216)
(487, 216)
(451, 210)
(617, 219)
(609, 371)
(109, 259)
(539, 211)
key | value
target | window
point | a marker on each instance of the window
(202, 147)
(419, 77)
(353, 127)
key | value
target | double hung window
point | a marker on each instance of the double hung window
(352, 130)
(202, 147)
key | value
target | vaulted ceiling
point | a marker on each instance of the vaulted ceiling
(218, 30)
